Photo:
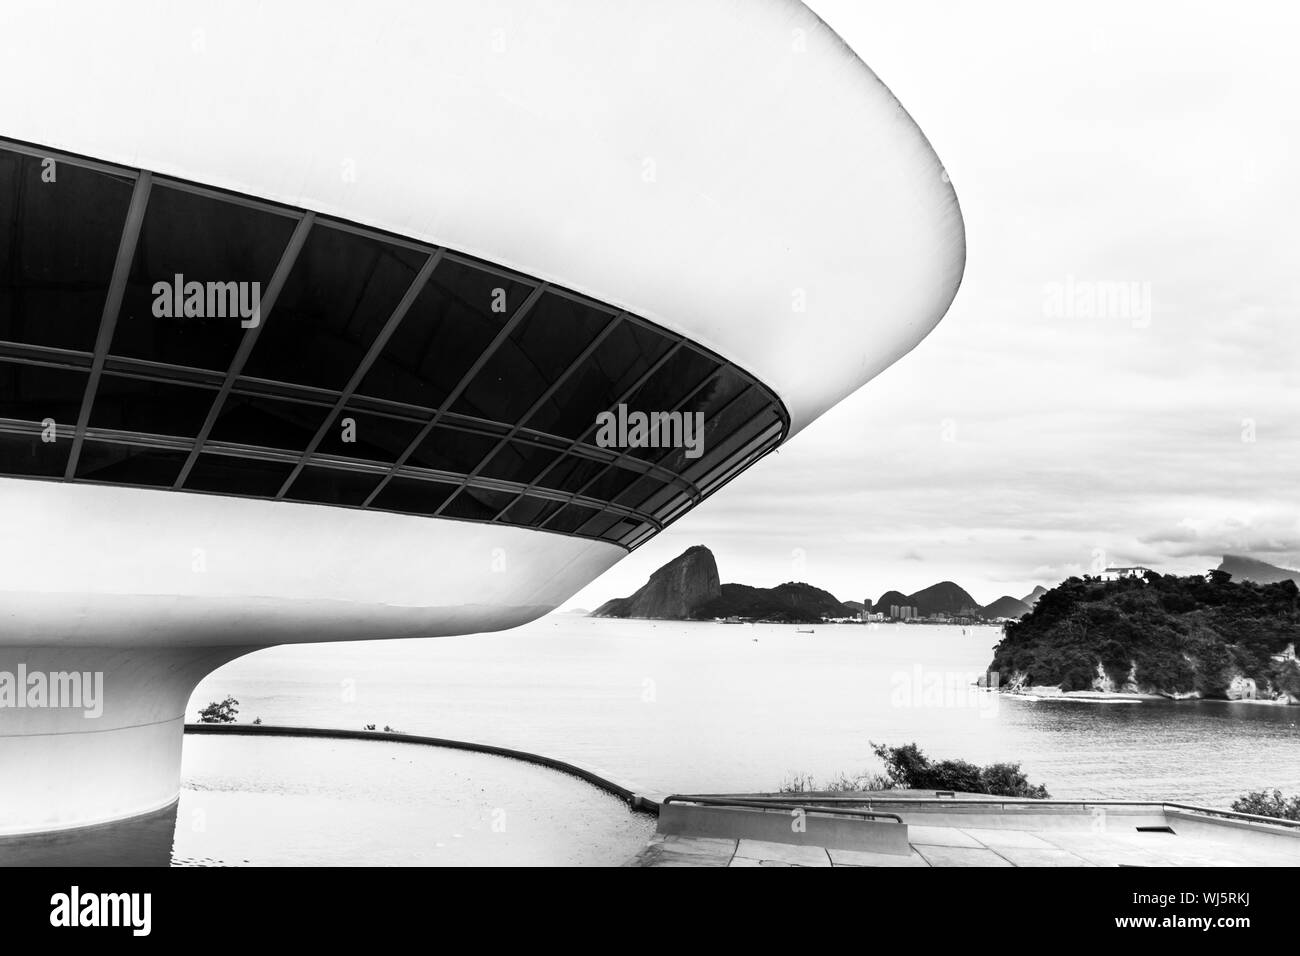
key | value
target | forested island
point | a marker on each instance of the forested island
(1201, 636)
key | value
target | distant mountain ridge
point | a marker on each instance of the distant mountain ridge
(944, 598)
(688, 588)
(673, 592)
(794, 601)
(891, 599)
(1006, 606)
(950, 599)
(1032, 597)
(1248, 569)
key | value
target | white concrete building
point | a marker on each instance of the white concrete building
(470, 228)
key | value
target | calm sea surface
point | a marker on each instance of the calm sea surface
(667, 706)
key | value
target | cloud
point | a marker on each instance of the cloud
(1273, 536)
(1014, 446)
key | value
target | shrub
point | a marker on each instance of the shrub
(1008, 780)
(222, 713)
(908, 768)
(1265, 804)
(799, 783)
(807, 783)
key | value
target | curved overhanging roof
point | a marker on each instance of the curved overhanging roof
(730, 171)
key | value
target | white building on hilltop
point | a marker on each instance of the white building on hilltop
(1114, 574)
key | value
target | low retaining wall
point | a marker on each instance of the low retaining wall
(779, 826)
(634, 800)
(1245, 833)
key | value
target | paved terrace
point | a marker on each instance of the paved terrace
(974, 831)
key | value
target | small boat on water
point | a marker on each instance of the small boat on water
(809, 631)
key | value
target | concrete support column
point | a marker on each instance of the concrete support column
(93, 734)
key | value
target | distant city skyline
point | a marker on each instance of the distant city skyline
(1116, 381)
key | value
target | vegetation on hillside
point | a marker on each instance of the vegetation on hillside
(1169, 634)
(793, 602)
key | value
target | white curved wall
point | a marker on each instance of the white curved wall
(729, 170)
(153, 589)
(97, 564)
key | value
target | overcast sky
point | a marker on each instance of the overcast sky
(1147, 154)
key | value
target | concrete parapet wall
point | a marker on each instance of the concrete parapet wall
(778, 826)
(1245, 833)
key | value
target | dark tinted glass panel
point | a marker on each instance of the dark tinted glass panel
(531, 511)
(340, 293)
(704, 407)
(620, 529)
(30, 455)
(267, 422)
(36, 392)
(59, 238)
(332, 486)
(599, 524)
(374, 437)
(664, 500)
(612, 481)
(60, 226)
(128, 464)
(450, 324)
(477, 504)
(717, 395)
(638, 491)
(537, 352)
(570, 519)
(671, 383)
(721, 422)
(618, 362)
(221, 245)
(641, 534)
(745, 455)
(412, 496)
(571, 473)
(519, 461)
(238, 476)
(450, 449)
(728, 444)
(157, 408)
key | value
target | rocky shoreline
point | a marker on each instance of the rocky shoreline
(1017, 688)
(1104, 697)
